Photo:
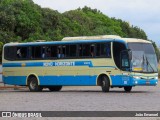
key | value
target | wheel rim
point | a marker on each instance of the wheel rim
(33, 85)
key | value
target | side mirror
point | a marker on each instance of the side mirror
(130, 54)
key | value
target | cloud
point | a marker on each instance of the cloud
(141, 13)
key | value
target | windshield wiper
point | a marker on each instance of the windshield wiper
(148, 63)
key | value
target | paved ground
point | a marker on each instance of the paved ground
(82, 99)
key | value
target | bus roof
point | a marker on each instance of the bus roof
(84, 39)
(100, 37)
(104, 37)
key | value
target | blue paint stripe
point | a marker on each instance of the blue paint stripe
(54, 80)
(53, 64)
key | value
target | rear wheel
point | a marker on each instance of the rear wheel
(128, 88)
(105, 84)
(33, 85)
(55, 88)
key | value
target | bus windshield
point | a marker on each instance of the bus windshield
(143, 57)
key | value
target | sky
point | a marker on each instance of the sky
(142, 13)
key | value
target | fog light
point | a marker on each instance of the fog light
(136, 82)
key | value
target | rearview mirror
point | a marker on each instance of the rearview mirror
(129, 54)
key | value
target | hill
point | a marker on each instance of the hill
(24, 21)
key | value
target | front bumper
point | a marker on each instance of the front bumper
(145, 82)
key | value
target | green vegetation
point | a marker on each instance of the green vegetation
(24, 21)
(156, 50)
(1, 47)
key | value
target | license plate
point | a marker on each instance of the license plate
(147, 82)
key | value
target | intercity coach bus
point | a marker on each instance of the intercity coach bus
(107, 61)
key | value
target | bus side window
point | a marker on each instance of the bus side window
(43, 52)
(54, 51)
(19, 53)
(86, 50)
(92, 50)
(80, 50)
(36, 52)
(10, 53)
(98, 50)
(59, 52)
(67, 51)
(73, 51)
(108, 50)
(22, 52)
(48, 52)
(63, 54)
(103, 49)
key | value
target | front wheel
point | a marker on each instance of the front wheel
(105, 84)
(33, 85)
(55, 88)
(128, 88)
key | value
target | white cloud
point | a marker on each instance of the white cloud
(141, 13)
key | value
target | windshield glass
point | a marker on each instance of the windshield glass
(143, 57)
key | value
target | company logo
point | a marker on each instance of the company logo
(6, 114)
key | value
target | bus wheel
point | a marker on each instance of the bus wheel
(55, 88)
(128, 88)
(33, 85)
(105, 84)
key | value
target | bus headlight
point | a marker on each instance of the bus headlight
(136, 77)
(156, 77)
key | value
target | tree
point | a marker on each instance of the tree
(1, 48)
(9, 36)
(22, 17)
(156, 50)
(23, 21)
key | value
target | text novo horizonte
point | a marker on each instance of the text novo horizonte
(47, 64)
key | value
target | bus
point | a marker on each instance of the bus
(107, 61)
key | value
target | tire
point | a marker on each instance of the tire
(55, 88)
(128, 88)
(33, 85)
(105, 84)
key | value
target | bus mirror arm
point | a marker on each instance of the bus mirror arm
(129, 54)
